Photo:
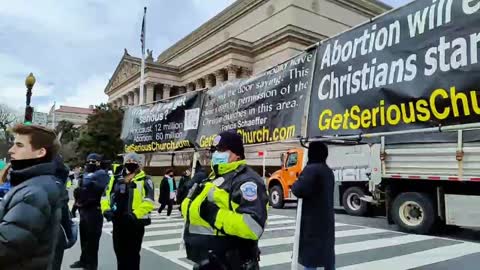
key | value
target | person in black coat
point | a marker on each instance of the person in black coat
(182, 187)
(199, 176)
(165, 198)
(317, 233)
(30, 211)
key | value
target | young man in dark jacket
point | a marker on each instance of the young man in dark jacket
(317, 232)
(30, 211)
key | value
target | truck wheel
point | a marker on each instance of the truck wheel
(276, 197)
(414, 212)
(352, 203)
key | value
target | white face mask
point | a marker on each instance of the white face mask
(220, 158)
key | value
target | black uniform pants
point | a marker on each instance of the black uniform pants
(127, 243)
(215, 260)
(169, 209)
(91, 223)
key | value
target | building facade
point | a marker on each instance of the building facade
(246, 38)
(76, 115)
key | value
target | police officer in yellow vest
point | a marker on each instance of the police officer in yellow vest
(127, 202)
(226, 214)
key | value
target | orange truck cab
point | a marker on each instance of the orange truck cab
(280, 182)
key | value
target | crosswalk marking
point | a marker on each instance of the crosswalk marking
(157, 243)
(380, 243)
(164, 232)
(174, 231)
(178, 221)
(285, 257)
(358, 232)
(166, 225)
(419, 259)
(163, 237)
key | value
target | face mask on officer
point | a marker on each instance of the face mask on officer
(220, 157)
(91, 166)
(131, 167)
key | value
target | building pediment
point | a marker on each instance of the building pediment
(127, 68)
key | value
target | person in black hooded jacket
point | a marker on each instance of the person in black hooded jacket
(317, 233)
(30, 211)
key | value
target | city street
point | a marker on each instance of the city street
(240, 106)
(361, 243)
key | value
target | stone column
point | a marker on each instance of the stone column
(158, 94)
(125, 100)
(130, 98)
(198, 84)
(149, 94)
(220, 76)
(246, 72)
(209, 81)
(232, 72)
(190, 87)
(136, 96)
(182, 90)
(166, 91)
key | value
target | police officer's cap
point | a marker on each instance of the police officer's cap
(229, 140)
(94, 157)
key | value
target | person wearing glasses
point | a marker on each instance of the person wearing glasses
(89, 193)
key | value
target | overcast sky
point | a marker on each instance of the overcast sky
(73, 47)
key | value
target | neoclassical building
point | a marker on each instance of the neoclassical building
(247, 37)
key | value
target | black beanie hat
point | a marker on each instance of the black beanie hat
(230, 140)
(317, 152)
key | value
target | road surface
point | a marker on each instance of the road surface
(361, 243)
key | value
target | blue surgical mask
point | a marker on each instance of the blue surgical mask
(220, 158)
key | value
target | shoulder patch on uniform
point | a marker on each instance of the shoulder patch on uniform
(149, 182)
(249, 191)
(219, 181)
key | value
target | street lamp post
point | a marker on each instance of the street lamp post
(29, 82)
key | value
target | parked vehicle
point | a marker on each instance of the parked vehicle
(351, 178)
(420, 186)
(280, 182)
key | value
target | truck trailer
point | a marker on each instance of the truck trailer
(419, 186)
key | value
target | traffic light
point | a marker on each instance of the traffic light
(28, 115)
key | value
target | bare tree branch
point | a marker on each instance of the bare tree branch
(7, 118)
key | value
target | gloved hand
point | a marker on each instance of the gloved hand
(208, 212)
(132, 216)
(108, 215)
